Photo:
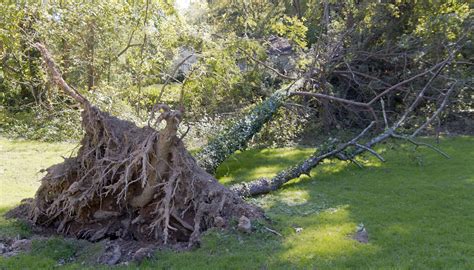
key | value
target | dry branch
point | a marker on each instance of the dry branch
(262, 186)
(57, 77)
(436, 113)
(267, 66)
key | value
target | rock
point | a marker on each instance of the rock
(103, 215)
(361, 234)
(219, 222)
(142, 254)
(74, 187)
(22, 244)
(3, 248)
(279, 46)
(244, 224)
(98, 234)
(111, 255)
(362, 237)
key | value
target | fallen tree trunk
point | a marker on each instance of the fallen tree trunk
(262, 186)
(131, 183)
(236, 137)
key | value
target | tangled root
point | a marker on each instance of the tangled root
(133, 183)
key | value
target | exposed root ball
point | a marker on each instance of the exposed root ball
(133, 183)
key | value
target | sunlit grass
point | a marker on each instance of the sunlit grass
(20, 165)
(417, 208)
(236, 169)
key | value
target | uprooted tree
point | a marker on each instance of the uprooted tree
(131, 183)
(141, 183)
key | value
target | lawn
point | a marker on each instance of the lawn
(417, 208)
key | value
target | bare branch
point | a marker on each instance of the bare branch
(435, 114)
(338, 99)
(411, 140)
(323, 96)
(438, 65)
(261, 186)
(57, 77)
(172, 75)
(267, 66)
(382, 103)
(372, 151)
(420, 95)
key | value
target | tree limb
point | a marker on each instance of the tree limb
(57, 77)
(435, 114)
(267, 66)
(261, 186)
(237, 136)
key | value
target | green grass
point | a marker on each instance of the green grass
(20, 165)
(417, 207)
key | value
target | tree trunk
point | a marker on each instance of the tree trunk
(236, 137)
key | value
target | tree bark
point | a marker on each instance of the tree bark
(236, 137)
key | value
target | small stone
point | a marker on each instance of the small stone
(3, 248)
(137, 220)
(22, 244)
(219, 222)
(111, 255)
(244, 224)
(361, 236)
(142, 254)
(74, 187)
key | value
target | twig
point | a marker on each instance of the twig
(372, 151)
(421, 94)
(172, 76)
(338, 99)
(382, 104)
(267, 66)
(435, 114)
(411, 140)
(272, 231)
(440, 64)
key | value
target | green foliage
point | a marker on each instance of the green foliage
(292, 28)
(285, 129)
(252, 18)
(121, 54)
(100, 47)
(54, 124)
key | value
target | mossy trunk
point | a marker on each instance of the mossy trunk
(237, 136)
